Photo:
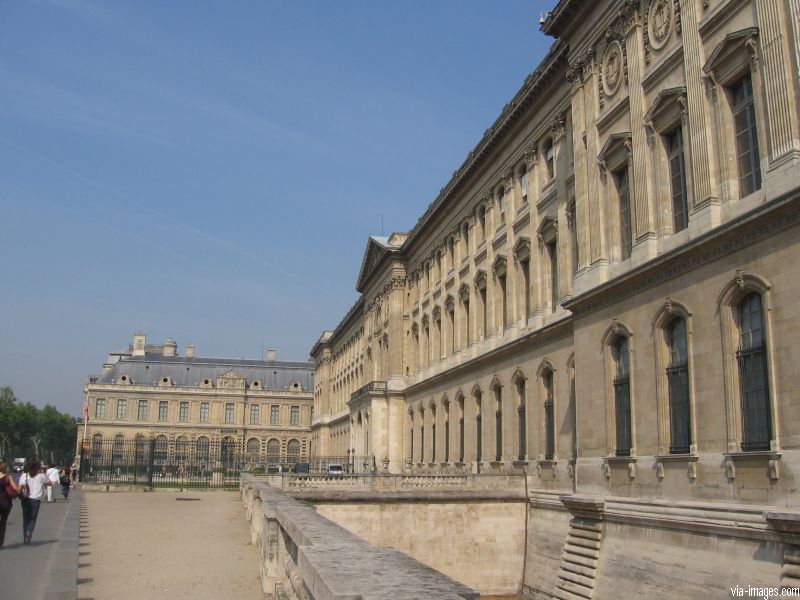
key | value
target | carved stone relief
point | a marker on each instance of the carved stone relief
(612, 68)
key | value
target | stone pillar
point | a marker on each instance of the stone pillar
(643, 222)
(776, 72)
(699, 137)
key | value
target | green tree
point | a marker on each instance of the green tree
(26, 430)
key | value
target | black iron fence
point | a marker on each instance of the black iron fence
(150, 462)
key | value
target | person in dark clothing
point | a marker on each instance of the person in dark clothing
(65, 482)
(6, 500)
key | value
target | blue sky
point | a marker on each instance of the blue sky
(210, 171)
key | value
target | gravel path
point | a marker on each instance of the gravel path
(167, 545)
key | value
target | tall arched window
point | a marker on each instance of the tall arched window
(253, 447)
(160, 448)
(622, 397)
(678, 379)
(498, 422)
(460, 402)
(433, 433)
(478, 427)
(202, 447)
(446, 431)
(549, 416)
(97, 445)
(119, 446)
(751, 358)
(181, 447)
(293, 451)
(522, 437)
(273, 451)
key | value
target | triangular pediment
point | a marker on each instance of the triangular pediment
(730, 53)
(377, 249)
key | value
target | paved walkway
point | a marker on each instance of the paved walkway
(138, 545)
(24, 569)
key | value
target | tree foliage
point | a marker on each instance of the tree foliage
(26, 430)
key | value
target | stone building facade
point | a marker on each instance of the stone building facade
(260, 409)
(604, 297)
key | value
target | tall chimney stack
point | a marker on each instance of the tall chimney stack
(271, 352)
(189, 350)
(170, 348)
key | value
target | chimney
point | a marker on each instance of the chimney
(189, 350)
(271, 352)
(138, 344)
(170, 348)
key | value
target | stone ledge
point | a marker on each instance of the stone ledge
(335, 564)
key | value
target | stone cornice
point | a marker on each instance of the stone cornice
(554, 62)
(739, 233)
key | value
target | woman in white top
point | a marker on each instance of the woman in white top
(36, 482)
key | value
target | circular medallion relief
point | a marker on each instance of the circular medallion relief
(659, 22)
(612, 68)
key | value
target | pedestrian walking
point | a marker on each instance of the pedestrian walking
(65, 482)
(8, 490)
(33, 483)
(52, 477)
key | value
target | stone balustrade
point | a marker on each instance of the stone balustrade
(305, 556)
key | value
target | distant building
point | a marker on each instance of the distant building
(257, 408)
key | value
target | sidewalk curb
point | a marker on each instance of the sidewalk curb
(62, 581)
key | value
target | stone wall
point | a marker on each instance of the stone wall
(305, 556)
(478, 542)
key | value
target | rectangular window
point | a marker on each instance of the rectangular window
(751, 358)
(498, 425)
(744, 122)
(100, 408)
(230, 415)
(523, 184)
(479, 436)
(204, 412)
(501, 202)
(678, 381)
(573, 236)
(184, 412)
(622, 399)
(526, 292)
(451, 315)
(466, 322)
(163, 410)
(552, 251)
(677, 174)
(255, 414)
(142, 413)
(485, 315)
(549, 417)
(274, 415)
(623, 191)
(503, 302)
(295, 416)
(122, 409)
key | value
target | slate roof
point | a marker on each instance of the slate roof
(190, 372)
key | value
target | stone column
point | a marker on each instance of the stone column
(776, 72)
(643, 222)
(704, 181)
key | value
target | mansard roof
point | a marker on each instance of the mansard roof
(184, 371)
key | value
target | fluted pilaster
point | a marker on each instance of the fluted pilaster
(776, 71)
(699, 135)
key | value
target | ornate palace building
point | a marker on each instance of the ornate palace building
(257, 408)
(604, 297)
